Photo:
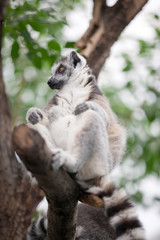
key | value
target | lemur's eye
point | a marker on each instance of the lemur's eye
(61, 69)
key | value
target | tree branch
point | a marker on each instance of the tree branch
(60, 189)
(105, 28)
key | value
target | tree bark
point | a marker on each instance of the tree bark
(105, 28)
(61, 191)
(18, 199)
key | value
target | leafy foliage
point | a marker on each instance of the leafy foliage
(137, 102)
(33, 40)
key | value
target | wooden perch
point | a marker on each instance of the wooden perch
(61, 191)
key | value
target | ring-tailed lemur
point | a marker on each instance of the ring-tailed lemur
(78, 123)
(81, 130)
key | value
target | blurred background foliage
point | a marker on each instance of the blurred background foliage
(137, 103)
(33, 39)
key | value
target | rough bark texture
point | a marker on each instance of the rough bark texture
(17, 199)
(105, 28)
(60, 190)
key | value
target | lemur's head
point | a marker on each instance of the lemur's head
(64, 68)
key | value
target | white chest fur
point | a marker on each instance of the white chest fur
(71, 98)
(62, 114)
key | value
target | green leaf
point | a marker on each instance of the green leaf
(157, 31)
(54, 45)
(128, 63)
(156, 16)
(70, 45)
(36, 25)
(44, 53)
(152, 71)
(157, 199)
(15, 50)
(52, 59)
(129, 85)
(27, 37)
(145, 47)
(138, 196)
(128, 66)
(37, 62)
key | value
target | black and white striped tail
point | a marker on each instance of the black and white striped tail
(37, 230)
(120, 212)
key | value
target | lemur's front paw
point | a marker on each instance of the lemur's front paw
(82, 107)
(34, 115)
(57, 159)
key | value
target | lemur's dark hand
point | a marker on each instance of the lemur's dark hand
(34, 115)
(82, 107)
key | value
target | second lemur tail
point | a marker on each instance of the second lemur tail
(38, 230)
(118, 209)
(120, 212)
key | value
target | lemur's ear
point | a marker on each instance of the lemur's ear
(74, 59)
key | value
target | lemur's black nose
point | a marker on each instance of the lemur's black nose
(49, 81)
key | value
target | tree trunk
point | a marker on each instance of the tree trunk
(18, 199)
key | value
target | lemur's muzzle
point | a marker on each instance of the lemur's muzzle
(55, 84)
(50, 81)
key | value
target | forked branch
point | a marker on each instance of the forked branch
(60, 189)
(105, 28)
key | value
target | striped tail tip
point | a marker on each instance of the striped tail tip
(37, 230)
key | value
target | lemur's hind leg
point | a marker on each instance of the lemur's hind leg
(87, 143)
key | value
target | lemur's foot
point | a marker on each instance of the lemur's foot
(62, 158)
(34, 115)
(82, 107)
(58, 159)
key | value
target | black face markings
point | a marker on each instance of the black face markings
(57, 84)
(127, 224)
(61, 69)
